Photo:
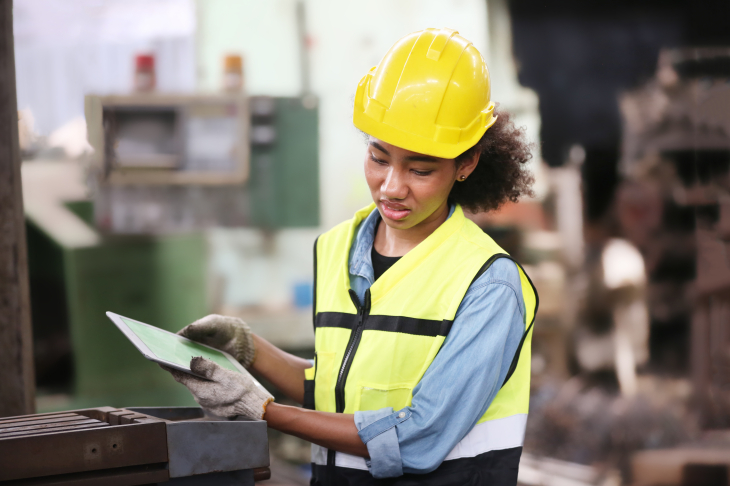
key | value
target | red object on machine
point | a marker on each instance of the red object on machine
(144, 72)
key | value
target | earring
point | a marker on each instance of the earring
(462, 178)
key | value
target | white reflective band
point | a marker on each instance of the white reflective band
(319, 456)
(494, 435)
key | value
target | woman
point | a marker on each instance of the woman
(422, 322)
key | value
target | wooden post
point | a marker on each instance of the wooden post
(17, 377)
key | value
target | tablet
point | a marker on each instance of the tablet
(170, 349)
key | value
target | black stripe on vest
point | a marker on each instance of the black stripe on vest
(493, 468)
(404, 325)
(314, 288)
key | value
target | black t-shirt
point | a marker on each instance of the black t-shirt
(381, 263)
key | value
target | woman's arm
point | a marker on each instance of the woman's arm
(285, 371)
(336, 431)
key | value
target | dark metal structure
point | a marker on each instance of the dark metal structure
(676, 152)
(107, 446)
(17, 386)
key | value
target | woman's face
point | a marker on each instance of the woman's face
(408, 187)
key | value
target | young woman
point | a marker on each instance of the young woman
(422, 323)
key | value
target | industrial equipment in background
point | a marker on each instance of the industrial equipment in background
(170, 164)
(675, 207)
(178, 163)
(166, 163)
(104, 446)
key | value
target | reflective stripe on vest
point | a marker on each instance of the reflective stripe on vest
(370, 355)
(493, 435)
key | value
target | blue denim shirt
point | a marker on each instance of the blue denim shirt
(462, 380)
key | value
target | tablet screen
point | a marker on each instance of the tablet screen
(174, 348)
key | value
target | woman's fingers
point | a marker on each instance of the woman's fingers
(206, 327)
(204, 367)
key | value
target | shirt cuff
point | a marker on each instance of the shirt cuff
(376, 429)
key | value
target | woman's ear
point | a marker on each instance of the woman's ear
(467, 166)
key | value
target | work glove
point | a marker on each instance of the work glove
(229, 334)
(224, 393)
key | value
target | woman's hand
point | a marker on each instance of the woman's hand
(224, 392)
(232, 335)
(229, 334)
(227, 394)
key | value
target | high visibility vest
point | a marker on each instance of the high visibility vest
(372, 354)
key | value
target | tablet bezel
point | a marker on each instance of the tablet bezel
(147, 352)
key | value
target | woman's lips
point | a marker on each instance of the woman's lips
(394, 211)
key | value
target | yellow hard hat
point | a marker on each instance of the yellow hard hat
(430, 94)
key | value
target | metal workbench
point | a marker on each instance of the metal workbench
(179, 446)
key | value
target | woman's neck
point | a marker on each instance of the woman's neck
(396, 242)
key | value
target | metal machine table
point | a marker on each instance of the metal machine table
(179, 446)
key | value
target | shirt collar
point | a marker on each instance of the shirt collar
(361, 263)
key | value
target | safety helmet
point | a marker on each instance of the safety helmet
(430, 94)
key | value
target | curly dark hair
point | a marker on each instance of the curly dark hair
(501, 174)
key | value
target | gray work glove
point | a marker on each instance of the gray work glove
(225, 393)
(229, 334)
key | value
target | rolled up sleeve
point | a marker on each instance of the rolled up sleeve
(376, 429)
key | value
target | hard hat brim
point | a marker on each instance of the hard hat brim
(415, 143)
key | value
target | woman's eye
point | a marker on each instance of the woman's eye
(377, 160)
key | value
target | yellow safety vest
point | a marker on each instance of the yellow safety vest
(370, 355)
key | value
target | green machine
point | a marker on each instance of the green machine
(137, 247)
(284, 180)
(159, 280)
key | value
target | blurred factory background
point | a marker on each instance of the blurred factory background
(180, 157)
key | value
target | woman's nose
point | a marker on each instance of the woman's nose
(394, 186)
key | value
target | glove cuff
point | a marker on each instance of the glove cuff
(244, 347)
(253, 405)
